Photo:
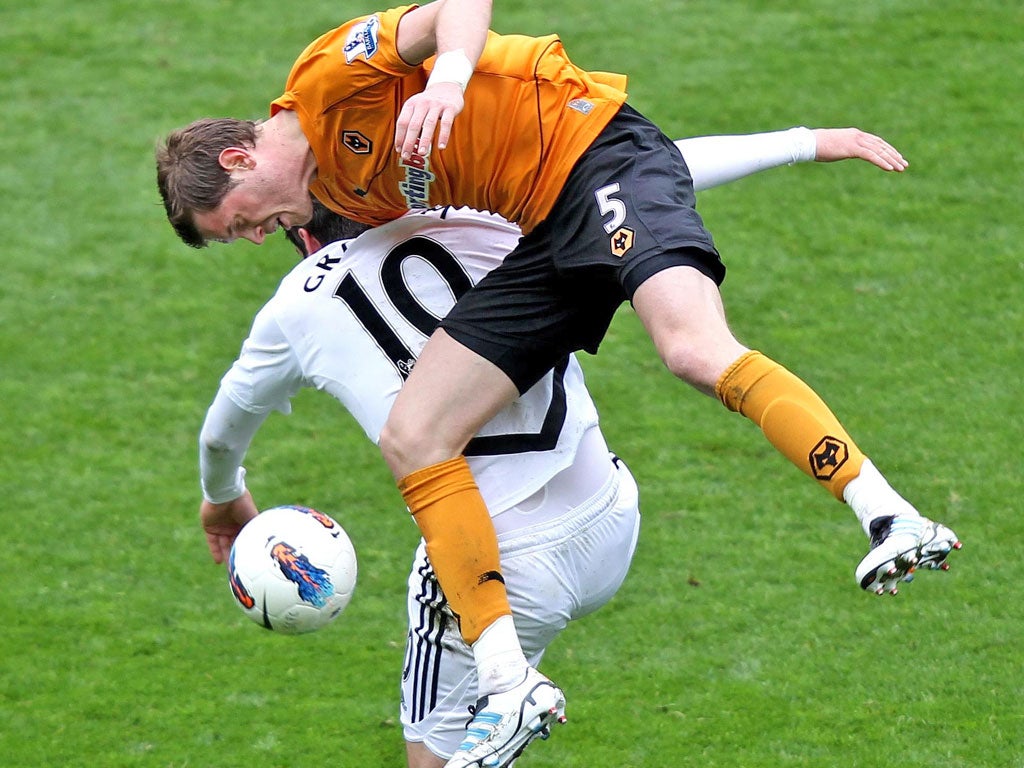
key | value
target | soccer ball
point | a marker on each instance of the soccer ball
(292, 569)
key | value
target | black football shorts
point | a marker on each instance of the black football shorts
(626, 212)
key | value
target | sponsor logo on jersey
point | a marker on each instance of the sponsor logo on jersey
(622, 241)
(356, 142)
(313, 583)
(827, 457)
(581, 105)
(362, 40)
(416, 186)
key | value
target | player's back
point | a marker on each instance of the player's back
(357, 314)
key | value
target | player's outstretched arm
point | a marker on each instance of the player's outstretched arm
(717, 160)
(456, 30)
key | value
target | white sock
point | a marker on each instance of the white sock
(500, 663)
(871, 496)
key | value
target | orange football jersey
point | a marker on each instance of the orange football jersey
(529, 114)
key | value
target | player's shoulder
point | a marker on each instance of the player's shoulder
(366, 35)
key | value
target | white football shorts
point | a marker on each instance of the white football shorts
(562, 555)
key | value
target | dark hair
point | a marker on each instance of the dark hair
(188, 171)
(327, 227)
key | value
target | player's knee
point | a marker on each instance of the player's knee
(397, 448)
(698, 364)
(683, 359)
(407, 447)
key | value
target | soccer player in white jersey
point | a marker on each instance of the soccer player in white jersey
(541, 464)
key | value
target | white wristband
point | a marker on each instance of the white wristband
(451, 67)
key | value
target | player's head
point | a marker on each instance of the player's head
(218, 182)
(324, 228)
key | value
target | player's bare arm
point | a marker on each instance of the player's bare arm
(456, 30)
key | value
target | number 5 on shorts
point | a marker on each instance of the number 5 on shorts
(608, 204)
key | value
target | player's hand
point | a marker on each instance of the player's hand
(848, 143)
(432, 110)
(222, 522)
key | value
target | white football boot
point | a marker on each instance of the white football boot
(504, 723)
(900, 544)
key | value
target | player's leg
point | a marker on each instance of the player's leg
(565, 551)
(682, 311)
(671, 270)
(516, 319)
(500, 338)
(451, 393)
(418, 756)
(440, 705)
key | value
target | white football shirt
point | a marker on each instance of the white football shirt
(351, 320)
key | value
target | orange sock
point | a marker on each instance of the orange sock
(461, 543)
(793, 418)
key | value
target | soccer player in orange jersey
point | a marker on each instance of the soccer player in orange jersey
(608, 213)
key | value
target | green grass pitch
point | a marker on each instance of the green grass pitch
(739, 638)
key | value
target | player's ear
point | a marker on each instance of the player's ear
(304, 242)
(312, 244)
(236, 158)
